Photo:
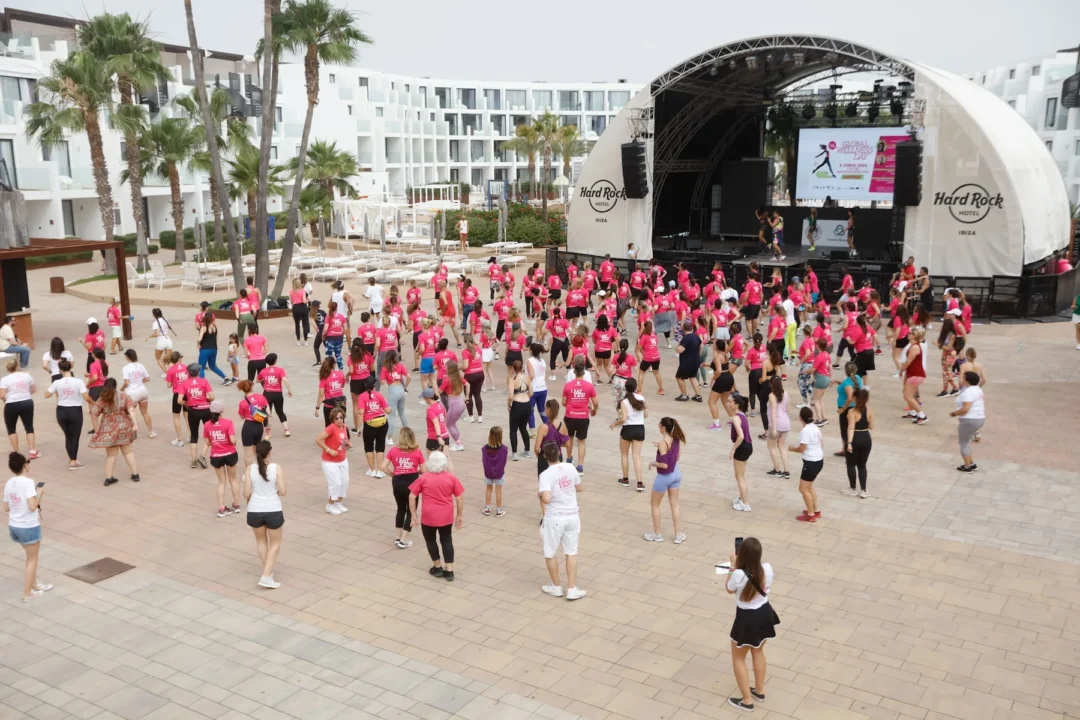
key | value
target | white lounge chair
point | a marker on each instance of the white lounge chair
(134, 277)
(194, 279)
(160, 276)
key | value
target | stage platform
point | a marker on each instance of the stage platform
(768, 261)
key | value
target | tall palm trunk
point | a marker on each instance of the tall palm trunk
(258, 223)
(532, 176)
(215, 208)
(212, 147)
(543, 188)
(311, 73)
(131, 145)
(101, 181)
(180, 254)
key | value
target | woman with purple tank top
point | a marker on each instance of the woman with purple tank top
(668, 478)
(552, 431)
(741, 447)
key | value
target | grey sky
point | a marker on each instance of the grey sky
(633, 39)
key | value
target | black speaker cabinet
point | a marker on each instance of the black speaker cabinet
(908, 189)
(635, 178)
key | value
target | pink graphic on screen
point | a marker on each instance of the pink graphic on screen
(883, 176)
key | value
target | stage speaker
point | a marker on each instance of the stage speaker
(635, 179)
(907, 191)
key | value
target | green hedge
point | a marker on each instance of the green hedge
(524, 224)
(42, 260)
(168, 239)
(131, 243)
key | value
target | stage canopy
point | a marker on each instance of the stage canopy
(993, 200)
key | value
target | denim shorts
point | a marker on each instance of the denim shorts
(671, 481)
(25, 536)
(489, 481)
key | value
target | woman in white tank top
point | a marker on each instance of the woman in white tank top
(536, 369)
(264, 486)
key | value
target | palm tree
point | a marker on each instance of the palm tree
(191, 106)
(526, 142)
(77, 89)
(329, 168)
(315, 206)
(244, 180)
(569, 146)
(171, 143)
(547, 131)
(320, 33)
(124, 45)
(212, 148)
(781, 136)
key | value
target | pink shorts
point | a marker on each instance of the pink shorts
(915, 380)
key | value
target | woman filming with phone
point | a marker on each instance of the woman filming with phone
(22, 503)
(755, 620)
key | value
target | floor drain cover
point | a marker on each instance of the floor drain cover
(99, 570)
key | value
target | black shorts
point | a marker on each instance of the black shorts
(269, 520)
(223, 460)
(685, 373)
(177, 408)
(555, 294)
(511, 356)
(723, 383)
(603, 354)
(356, 387)
(251, 433)
(21, 410)
(95, 392)
(637, 292)
(903, 342)
(577, 428)
(751, 312)
(633, 432)
(744, 451)
(415, 339)
(369, 348)
(647, 365)
(435, 444)
(375, 437)
(811, 469)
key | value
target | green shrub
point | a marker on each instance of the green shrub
(528, 229)
(167, 238)
(44, 260)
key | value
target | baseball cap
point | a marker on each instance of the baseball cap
(954, 311)
(427, 393)
(795, 279)
(217, 407)
(91, 321)
(116, 298)
(515, 326)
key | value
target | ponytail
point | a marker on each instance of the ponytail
(262, 452)
(624, 345)
(631, 395)
(99, 355)
(672, 427)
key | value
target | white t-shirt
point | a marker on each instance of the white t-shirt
(587, 377)
(634, 417)
(972, 394)
(135, 374)
(7, 337)
(160, 327)
(68, 391)
(54, 366)
(789, 308)
(374, 295)
(264, 495)
(18, 386)
(810, 436)
(17, 493)
(463, 226)
(539, 369)
(737, 580)
(729, 294)
(338, 296)
(561, 480)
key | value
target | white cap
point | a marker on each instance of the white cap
(954, 311)
(116, 299)
(91, 321)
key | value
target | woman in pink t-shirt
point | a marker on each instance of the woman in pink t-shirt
(404, 462)
(440, 493)
(331, 389)
(375, 411)
(220, 435)
(275, 384)
(255, 348)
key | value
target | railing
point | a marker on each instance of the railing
(393, 126)
(83, 177)
(31, 177)
(11, 112)
(394, 157)
(569, 107)
(15, 45)
(346, 92)
(1070, 92)
(294, 129)
(364, 157)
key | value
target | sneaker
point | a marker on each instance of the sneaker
(269, 582)
(202, 462)
(696, 398)
(680, 538)
(404, 545)
(954, 392)
(921, 420)
(574, 594)
(435, 571)
(499, 512)
(369, 473)
(895, 376)
(34, 455)
(863, 495)
(223, 511)
(823, 422)
(682, 398)
(625, 482)
(235, 507)
(525, 454)
(580, 469)
(551, 377)
(783, 258)
(640, 486)
(806, 517)
(786, 475)
(152, 435)
(176, 443)
(514, 457)
(194, 464)
(879, 351)
(111, 481)
(738, 704)
(737, 503)
(34, 595)
(552, 590)
(653, 537)
(973, 467)
(943, 393)
(76, 466)
(332, 509)
(341, 508)
(715, 426)
(479, 418)
(800, 406)
(458, 447)
(380, 474)
(753, 413)
(470, 419)
(487, 510)
(774, 473)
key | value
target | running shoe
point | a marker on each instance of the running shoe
(580, 469)
(574, 594)
(806, 517)
(942, 394)
(682, 398)
(332, 509)
(487, 510)
(341, 508)
(369, 473)
(76, 466)
(738, 704)
(696, 398)
(34, 455)
(552, 590)
(759, 696)
(653, 537)
(625, 482)
(680, 538)
(499, 512)
(235, 509)
(223, 512)
(753, 413)
(774, 473)
(640, 486)
(269, 583)
(864, 494)
(921, 420)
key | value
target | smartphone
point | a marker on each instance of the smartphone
(738, 544)
(40, 485)
(723, 568)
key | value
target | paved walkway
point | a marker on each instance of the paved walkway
(942, 596)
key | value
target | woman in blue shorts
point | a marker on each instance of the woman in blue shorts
(668, 477)
(22, 499)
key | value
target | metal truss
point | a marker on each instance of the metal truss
(733, 131)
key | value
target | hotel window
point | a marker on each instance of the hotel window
(116, 215)
(568, 100)
(494, 99)
(519, 120)
(516, 99)
(362, 81)
(333, 78)
(542, 99)
(123, 150)
(423, 91)
(392, 85)
(570, 120)
(597, 124)
(1036, 70)
(594, 100)
(468, 98)
(7, 159)
(378, 112)
(406, 87)
(273, 152)
(432, 118)
(1051, 112)
(1076, 150)
(618, 98)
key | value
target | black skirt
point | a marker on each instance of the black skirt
(753, 627)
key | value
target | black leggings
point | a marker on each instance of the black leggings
(301, 318)
(403, 518)
(254, 367)
(194, 417)
(755, 387)
(375, 437)
(16, 411)
(277, 404)
(70, 420)
(558, 346)
(763, 398)
(476, 389)
(317, 346)
(328, 407)
(445, 540)
(856, 459)
(520, 412)
(845, 345)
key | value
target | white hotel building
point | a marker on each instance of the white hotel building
(405, 131)
(1046, 92)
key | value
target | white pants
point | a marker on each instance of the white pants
(337, 477)
(560, 530)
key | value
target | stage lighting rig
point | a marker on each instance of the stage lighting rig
(896, 107)
(809, 112)
(751, 62)
(831, 112)
(851, 109)
(872, 112)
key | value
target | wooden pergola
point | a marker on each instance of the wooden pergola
(46, 246)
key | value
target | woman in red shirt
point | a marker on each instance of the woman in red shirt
(360, 364)
(196, 395)
(375, 410)
(331, 389)
(334, 441)
(441, 492)
(404, 462)
(447, 311)
(623, 367)
(336, 328)
(914, 370)
(648, 353)
(603, 338)
(822, 379)
(220, 437)
(254, 410)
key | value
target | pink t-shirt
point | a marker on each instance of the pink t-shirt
(335, 325)
(112, 315)
(244, 409)
(255, 346)
(405, 462)
(176, 376)
(624, 369)
(271, 378)
(753, 292)
(387, 339)
(366, 333)
(650, 348)
(473, 362)
(755, 357)
(196, 392)
(435, 411)
(822, 363)
(360, 370)
(219, 434)
(602, 340)
(438, 491)
(333, 386)
(97, 340)
(576, 394)
(391, 375)
(373, 404)
(97, 373)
